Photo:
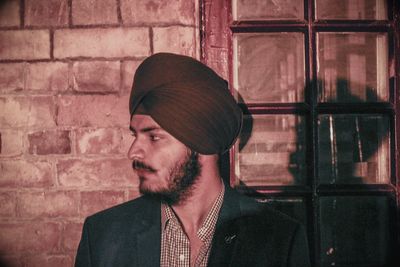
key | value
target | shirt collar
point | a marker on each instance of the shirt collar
(206, 230)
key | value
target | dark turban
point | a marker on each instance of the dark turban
(188, 100)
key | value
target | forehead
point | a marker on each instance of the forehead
(140, 121)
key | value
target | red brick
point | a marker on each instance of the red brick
(42, 112)
(10, 237)
(97, 76)
(114, 42)
(27, 111)
(70, 236)
(47, 76)
(21, 173)
(48, 204)
(92, 202)
(176, 39)
(10, 143)
(46, 12)
(128, 69)
(99, 173)
(14, 111)
(98, 141)
(30, 237)
(25, 44)
(87, 12)
(126, 142)
(103, 141)
(12, 76)
(9, 13)
(153, 11)
(45, 260)
(7, 204)
(93, 110)
(49, 142)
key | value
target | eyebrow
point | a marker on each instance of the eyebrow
(145, 130)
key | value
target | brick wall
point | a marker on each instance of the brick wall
(66, 69)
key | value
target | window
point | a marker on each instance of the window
(318, 81)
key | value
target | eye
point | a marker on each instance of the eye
(154, 137)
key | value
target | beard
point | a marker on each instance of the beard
(181, 181)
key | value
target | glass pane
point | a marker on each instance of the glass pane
(271, 151)
(269, 67)
(267, 10)
(351, 9)
(354, 231)
(353, 149)
(353, 67)
(293, 207)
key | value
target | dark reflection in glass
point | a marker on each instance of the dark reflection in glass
(354, 231)
(353, 149)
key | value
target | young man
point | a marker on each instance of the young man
(182, 117)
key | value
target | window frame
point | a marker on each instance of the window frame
(217, 29)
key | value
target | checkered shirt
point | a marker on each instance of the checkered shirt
(175, 246)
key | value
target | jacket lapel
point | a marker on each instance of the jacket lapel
(225, 239)
(226, 245)
(149, 246)
(149, 238)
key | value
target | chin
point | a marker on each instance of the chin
(170, 197)
(146, 187)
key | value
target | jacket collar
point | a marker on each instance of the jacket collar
(225, 237)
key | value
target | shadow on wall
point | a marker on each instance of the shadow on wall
(347, 142)
(352, 149)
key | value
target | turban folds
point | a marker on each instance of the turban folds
(188, 100)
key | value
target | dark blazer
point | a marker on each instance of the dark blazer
(247, 234)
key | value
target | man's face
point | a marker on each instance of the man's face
(167, 169)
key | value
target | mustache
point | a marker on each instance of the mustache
(139, 165)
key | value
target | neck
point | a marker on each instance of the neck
(195, 208)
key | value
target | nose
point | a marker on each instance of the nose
(136, 150)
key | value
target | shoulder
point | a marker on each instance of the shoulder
(261, 234)
(255, 216)
(268, 220)
(130, 211)
(274, 236)
(109, 237)
(250, 206)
